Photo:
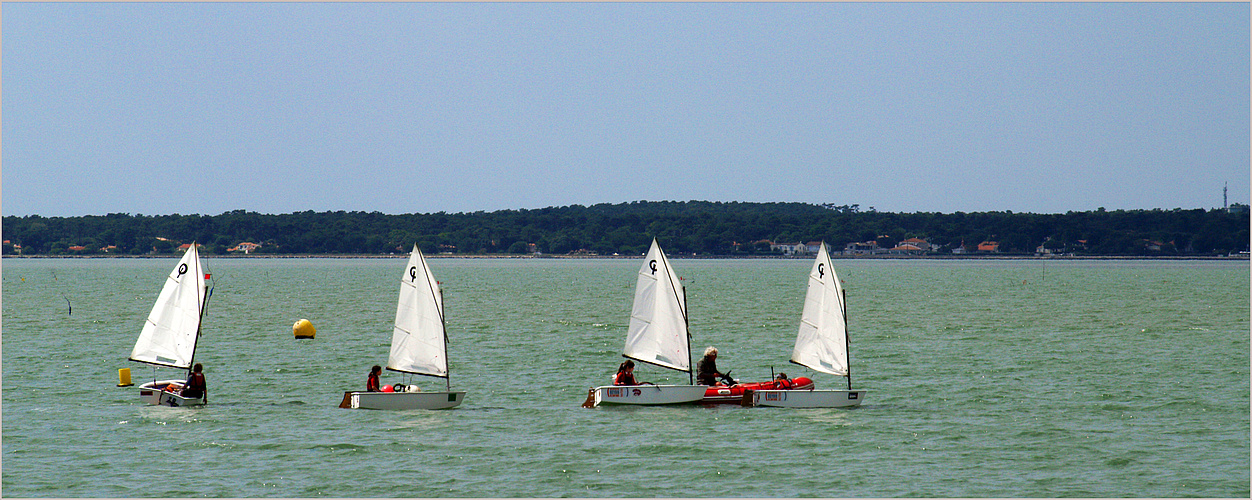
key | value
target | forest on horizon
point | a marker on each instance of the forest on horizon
(683, 228)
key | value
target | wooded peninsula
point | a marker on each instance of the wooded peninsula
(701, 228)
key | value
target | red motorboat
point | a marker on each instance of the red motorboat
(733, 394)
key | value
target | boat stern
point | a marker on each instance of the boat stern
(156, 394)
(803, 399)
(647, 394)
(402, 400)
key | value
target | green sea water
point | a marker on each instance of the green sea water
(1018, 378)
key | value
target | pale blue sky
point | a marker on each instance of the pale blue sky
(150, 108)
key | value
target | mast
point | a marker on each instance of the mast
(690, 373)
(846, 343)
(843, 305)
(444, 323)
(204, 306)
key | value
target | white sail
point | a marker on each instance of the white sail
(418, 342)
(170, 333)
(822, 342)
(658, 319)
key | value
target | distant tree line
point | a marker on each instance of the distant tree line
(691, 227)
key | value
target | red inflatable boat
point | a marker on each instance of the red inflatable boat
(734, 393)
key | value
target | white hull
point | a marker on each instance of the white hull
(647, 394)
(151, 394)
(804, 399)
(402, 400)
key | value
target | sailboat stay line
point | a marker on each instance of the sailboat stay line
(443, 325)
(430, 285)
(200, 326)
(691, 372)
(683, 298)
(847, 343)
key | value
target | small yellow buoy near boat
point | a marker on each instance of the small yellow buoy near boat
(303, 329)
(123, 377)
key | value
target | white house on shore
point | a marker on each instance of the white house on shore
(791, 248)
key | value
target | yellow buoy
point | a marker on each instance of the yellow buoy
(303, 329)
(123, 377)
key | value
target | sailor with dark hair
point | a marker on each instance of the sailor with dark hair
(371, 382)
(196, 386)
(625, 374)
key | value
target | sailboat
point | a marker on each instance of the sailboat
(657, 335)
(419, 345)
(169, 336)
(821, 345)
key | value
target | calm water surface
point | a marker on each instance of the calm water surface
(985, 379)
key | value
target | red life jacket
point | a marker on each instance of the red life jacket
(624, 379)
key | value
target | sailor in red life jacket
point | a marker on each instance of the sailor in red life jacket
(196, 386)
(371, 383)
(782, 381)
(625, 374)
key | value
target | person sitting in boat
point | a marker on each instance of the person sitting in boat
(782, 381)
(626, 375)
(196, 386)
(706, 370)
(371, 382)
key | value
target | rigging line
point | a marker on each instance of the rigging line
(204, 305)
(676, 287)
(691, 374)
(62, 292)
(431, 285)
(447, 368)
(847, 343)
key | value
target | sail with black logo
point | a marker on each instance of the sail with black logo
(419, 338)
(822, 342)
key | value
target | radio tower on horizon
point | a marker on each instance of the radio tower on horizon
(1225, 205)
